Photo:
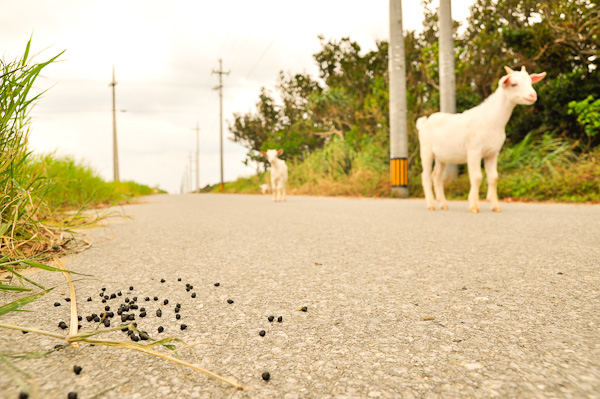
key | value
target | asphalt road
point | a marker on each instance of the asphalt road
(401, 302)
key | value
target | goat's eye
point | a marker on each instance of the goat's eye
(514, 84)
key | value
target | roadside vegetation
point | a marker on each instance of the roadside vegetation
(41, 197)
(334, 128)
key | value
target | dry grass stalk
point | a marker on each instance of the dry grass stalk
(73, 324)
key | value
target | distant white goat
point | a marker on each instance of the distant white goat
(265, 188)
(472, 135)
(279, 174)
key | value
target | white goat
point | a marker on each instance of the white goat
(279, 174)
(472, 135)
(265, 188)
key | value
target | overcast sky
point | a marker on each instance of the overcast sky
(164, 52)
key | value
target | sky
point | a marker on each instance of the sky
(164, 53)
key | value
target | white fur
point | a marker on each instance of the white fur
(279, 174)
(470, 136)
(265, 188)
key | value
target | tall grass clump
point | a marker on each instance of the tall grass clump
(73, 185)
(21, 192)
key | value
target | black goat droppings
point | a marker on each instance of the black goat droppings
(23, 395)
(156, 298)
(135, 338)
(142, 314)
(135, 299)
(178, 316)
(134, 306)
(77, 369)
(194, 295)
(79, 318)
(280, 319)
(127, 300)
(161, 329)
(56, 303)
(144, 335)
(24, 332)
(304, 309)
(179, 279)
(129, 332)
(67, 299)
(62, 325)
(271, 318)
(176, 310)
(106, 323)
(106, 297)
(159, 313)
(113, 295)
(162, 280)
(119, 312)
(131, 288)
(79, 326)
(217, 284)
(88, 318)
(107, 308)
(97, 319)
(183, 326)
(188, 289)
(124, 317)
(103, 300)
(147, 299)
(90, 299)
(230, 301)
(119, 293)
(266, 376)
(262, 333)
(166, 302)
(103, 288)
(131, 316)
(72, 395)
(142, 309)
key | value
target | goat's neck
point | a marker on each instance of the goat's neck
(498, 107)
(276, 163)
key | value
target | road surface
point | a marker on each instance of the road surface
(401, 302)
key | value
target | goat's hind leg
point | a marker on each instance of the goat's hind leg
(491, 170)
(427, 162)
(438, 183)
(474, 162)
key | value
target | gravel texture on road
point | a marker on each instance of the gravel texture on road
(400, 302)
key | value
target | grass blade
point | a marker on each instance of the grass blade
(12, 306)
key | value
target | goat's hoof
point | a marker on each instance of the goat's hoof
(496, 209)
(431, 208)
(444, 207)
(474, 209)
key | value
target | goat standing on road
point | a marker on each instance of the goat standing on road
(279, 174)
(472, 135)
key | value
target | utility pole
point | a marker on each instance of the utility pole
(197, 129)
(220, 72)
(398, 110)
(114, 112)
(446, 63)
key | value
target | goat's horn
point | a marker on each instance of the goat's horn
(523, 69)
(508, 70)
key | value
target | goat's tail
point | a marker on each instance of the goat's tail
(420, 122)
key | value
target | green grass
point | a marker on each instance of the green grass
(539, 168)
(74, 185)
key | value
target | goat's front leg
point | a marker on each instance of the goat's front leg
(274, 189)
(474, 163)
(491, 170)
(438, 183)
(283, 192)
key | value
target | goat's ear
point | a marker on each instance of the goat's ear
(505, 80)
(264, 154)
(508, 70)
(279, 152)
(536, 77)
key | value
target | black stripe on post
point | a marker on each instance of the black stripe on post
(399, 172)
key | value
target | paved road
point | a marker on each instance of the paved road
(402, 302)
